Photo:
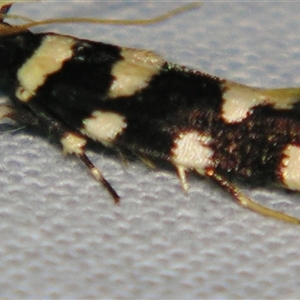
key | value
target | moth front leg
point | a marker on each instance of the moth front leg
(72, 142)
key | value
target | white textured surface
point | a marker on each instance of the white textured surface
(60, 234)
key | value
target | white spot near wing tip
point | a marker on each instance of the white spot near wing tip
(239, 100)
(290, 167)
(104, 126)
(47, 59)
(191, 151)
(134, 71)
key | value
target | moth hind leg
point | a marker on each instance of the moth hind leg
(246, 202)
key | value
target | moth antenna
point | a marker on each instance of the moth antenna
(16, 17)
(99, 177)
(170, 14)
(246, 202)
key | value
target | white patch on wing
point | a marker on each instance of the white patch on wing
(191, 151)
(47, 59)
(72, 143)
(134, 71)
(290, 167)
(104, 126)
(238, 100)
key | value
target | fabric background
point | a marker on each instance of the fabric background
(62, 237)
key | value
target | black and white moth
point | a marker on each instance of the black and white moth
(134, 101)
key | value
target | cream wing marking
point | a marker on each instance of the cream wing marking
(238, 100)
(134, 71)
(104, 126)
(290, 167)
(191, 151)
(47, 59)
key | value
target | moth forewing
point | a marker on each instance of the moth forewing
(133, 100)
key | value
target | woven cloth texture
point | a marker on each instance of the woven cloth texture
(61, 236)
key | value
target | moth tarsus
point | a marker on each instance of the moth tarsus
(95, 172)
(133, 100)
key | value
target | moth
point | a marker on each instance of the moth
(133, 101)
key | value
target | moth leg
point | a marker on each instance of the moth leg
(122, 157)
(95, 172)
(181, 172)
(246, 202)
(147, 162)
(72, 142)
